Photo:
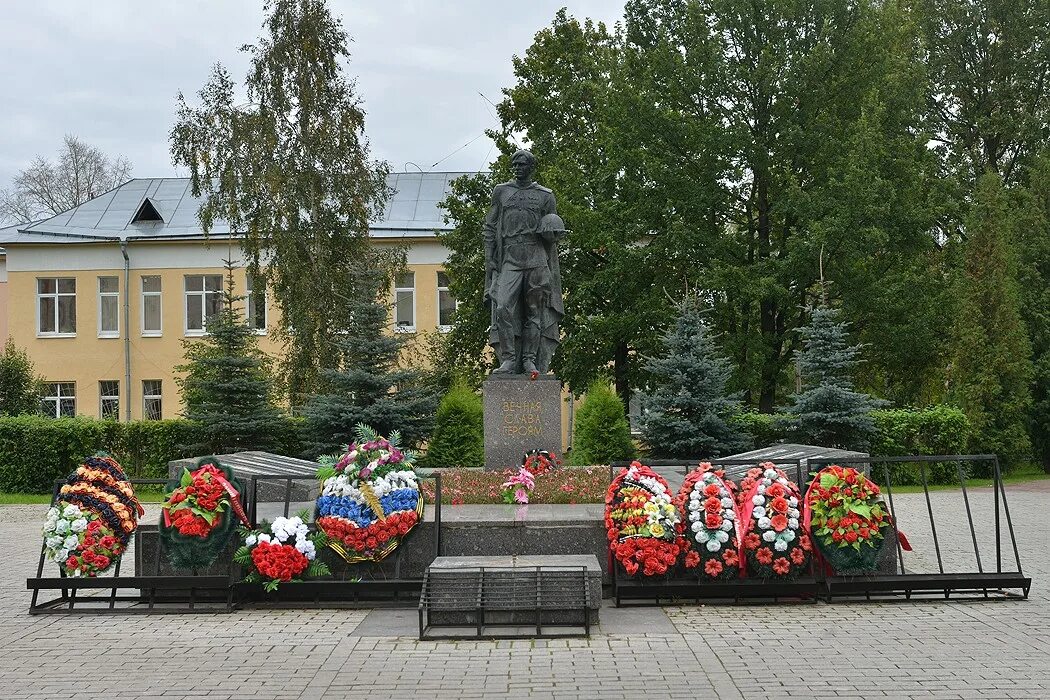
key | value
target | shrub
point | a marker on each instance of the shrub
(602, 433)
(20, 388)
(36, 451)
(458, 439)
(765, 429)
(936, 430)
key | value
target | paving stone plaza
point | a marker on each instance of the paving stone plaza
(998, 649)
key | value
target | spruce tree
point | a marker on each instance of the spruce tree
(829, 411)
(602, 433)
(458, 439)
(688, 412)
(370, 385)
(992, 363)
(20, 388)
(227, 386)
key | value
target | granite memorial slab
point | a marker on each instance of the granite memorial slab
(521, 414)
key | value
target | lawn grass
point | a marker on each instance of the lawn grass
(146, 494)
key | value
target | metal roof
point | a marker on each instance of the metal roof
(411, 211)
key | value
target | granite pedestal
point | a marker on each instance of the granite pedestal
(521, 414)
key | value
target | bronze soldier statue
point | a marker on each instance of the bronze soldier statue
(522, 277)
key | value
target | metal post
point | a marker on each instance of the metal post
(996, 484)
(893, 515)
(969, 516)
(437, 514)
(929, 508)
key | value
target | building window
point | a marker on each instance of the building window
(108, 307)
(405, 303)
(446, 304)
(151, 399)
(203, 301)
(257, 304)
(59, 400)
(109, 399)
(151, 316)
(56, 302)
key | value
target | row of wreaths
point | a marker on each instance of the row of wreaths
(760, 527)
(96, 513)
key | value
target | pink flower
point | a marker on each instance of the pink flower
(521, 496)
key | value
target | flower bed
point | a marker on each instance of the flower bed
(566, 485)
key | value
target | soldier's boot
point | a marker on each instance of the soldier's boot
(530, 346)
(506, 367)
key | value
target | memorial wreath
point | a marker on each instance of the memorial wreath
(775, 544)
(282, 551)
(712, 523)
(643, 525)
(370, 497)
(94, 516)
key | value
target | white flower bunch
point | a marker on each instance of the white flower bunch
(283, 530)
(341, 485)
(763, 515)
(62, 528)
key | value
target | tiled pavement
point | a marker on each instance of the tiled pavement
(862, 650)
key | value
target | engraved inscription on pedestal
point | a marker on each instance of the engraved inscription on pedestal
(520, 415)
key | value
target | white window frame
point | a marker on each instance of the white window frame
(203, 294)
(250, 303)
(57, 296)
(397, 290)
(104, 398)
(108, 295)
(158, 332)
(147, 397)
(443, 328)
(53, 394)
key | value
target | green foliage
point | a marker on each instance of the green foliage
(20, 387)
(36, 451)
(1033, 246)
(458, 439)
(288, 166)
(601, 433)
(369, 386)
(226, 384)
(828, 411)
(689, 410)
(938, 430)
(765, 429)
(991, 364)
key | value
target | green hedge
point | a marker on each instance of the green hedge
(35, 451)
(458, 439)
(765, 429)
(939, 430)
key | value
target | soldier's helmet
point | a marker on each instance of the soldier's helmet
(552, 223)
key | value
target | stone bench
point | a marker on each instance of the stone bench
(514, 596)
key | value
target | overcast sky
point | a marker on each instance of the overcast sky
(109, 71)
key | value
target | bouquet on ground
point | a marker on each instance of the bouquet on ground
(540, 462)
(847, 519)
(197, 517)
(90, 524)
(282, 551)
(370, 497)
(517, 488)
(712, 524)
(775, 544)
(643, 525)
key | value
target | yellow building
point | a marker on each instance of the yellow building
(102, 296)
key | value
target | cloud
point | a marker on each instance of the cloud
(109, 71)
